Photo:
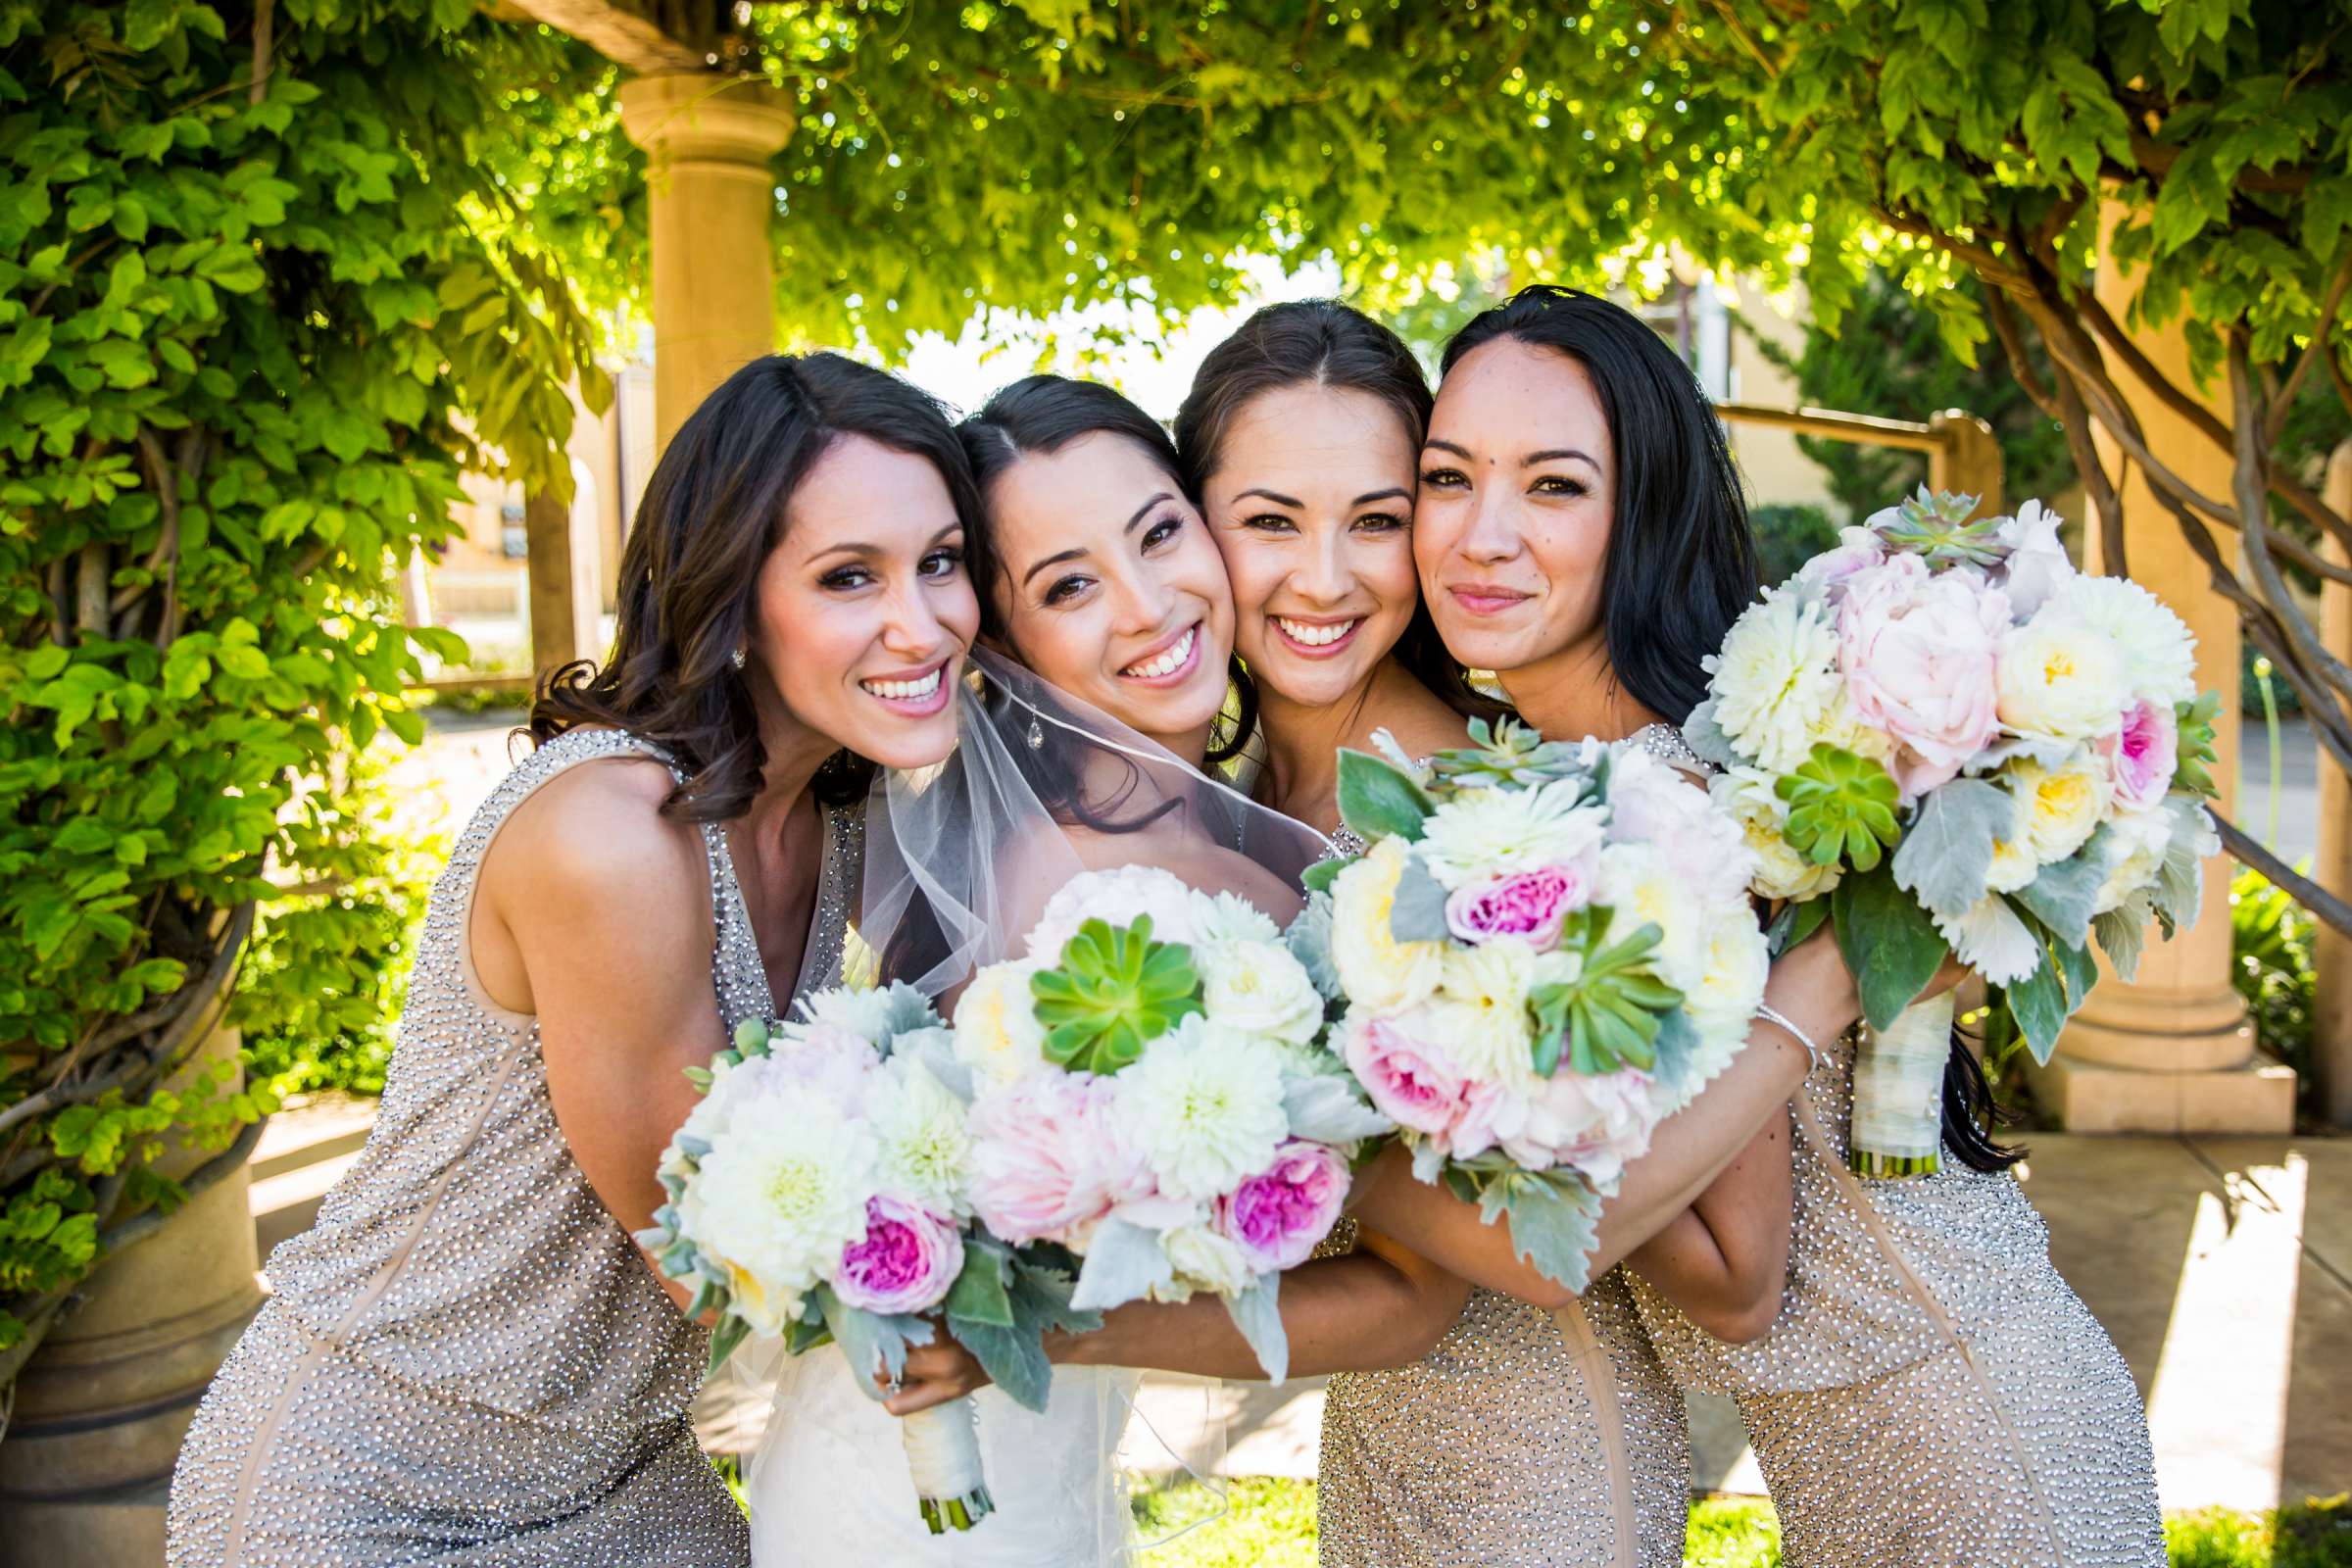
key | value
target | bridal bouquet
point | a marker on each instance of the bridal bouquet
(1942, 737)
(1151, 1096)
(1547, 949)
(820, 1191)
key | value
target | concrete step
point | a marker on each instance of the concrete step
(304, 1151)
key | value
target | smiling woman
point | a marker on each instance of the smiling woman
(1096, 572)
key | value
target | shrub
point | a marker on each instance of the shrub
(2270, 949)
(264, 290)
(1788, 536)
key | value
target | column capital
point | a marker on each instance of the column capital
(701, 115)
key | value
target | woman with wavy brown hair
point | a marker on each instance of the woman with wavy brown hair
(467, 1359)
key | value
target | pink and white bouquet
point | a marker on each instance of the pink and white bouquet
(820, 1190)
(1149, 1092)
(1545, 949)
(1943, 739)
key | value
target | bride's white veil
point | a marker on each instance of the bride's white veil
(961, 860)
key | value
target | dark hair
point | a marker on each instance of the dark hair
(713, 510)
(1969, 1113)
(1322, 343)
(1039, 415)
(1682, 563)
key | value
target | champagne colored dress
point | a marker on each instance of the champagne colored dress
(1932, 1393)
(467, 1360)
(1527, 1439)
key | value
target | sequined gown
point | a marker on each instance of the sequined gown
(1527, 1439)
(466, 1360)
(1932, 1393)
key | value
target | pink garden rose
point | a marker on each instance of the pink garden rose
(1917, 651)
(1591, 1124)
(1415, 1083)
(907, 1262)
(1046, 1163)
(1527, 905)
(1277, 1216)
(2143, 754)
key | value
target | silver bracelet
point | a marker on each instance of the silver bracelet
(1773, 1015)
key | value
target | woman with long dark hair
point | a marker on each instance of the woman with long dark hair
(1929, 1390)
(467, 1359)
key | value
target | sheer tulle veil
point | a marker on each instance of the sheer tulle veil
(960, 861)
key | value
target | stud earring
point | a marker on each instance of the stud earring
(1037, 736)
(738, 656)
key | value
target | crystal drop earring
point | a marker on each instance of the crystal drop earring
(1037, 736)
(738, 656)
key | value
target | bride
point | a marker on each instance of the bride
(960, 861)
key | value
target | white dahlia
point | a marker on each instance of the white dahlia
(1202, 1108)
(1480, 834)
(1485, 1025)
(1230, 917)
(2159, 655)
(776, 1202)
(1776, 679)
(922, 1150)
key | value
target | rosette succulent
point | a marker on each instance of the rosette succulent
(1935, 524)
(1505, 755)
(1114, 989)
(1607, 1014)
(1841, 807)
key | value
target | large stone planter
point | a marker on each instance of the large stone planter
(102, 1407)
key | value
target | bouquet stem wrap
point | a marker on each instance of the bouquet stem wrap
(1898, 1091)
(943, 1457)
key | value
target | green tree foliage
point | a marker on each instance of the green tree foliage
(269, 280)
(1887, 357)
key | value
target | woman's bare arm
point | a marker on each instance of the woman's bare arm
(1725, 1259)
(607, 906)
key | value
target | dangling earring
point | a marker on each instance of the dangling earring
(738, 656)
(1037, 736)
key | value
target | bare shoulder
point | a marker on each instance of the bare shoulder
(595, 837)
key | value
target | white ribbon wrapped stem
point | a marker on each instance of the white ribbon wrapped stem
(1898, 1091)
(943, 1457)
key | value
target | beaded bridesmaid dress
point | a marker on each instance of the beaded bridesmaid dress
(466, 1360)
(1527, 1439)
(1932, 1393)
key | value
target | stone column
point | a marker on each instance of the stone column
(2173, 1051)
(708, 141)
(2331, 949)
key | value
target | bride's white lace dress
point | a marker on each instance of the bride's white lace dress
(828, 1485)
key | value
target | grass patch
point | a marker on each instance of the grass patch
(1272, 1523)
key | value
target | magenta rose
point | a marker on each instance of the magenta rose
(906, 1263)
(1917, 651)
(1046, 1164)
(1277, 1216)
(1415, 1083)
(1527, 905)
(2142, 756)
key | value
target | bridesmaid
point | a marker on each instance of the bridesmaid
(1302, 437)
(1931, 1390)
(467, 1359)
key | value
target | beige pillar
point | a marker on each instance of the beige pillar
(2330, 948)
(2173, 1051)
(708, 142)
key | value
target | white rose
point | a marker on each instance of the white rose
(1731, 984)
(2059, 807)
(1377, 971)
(1639, 886)
(1258, 987)
(2139, 840)
(2061, 676)
(997, 1032)
(1204, 1261)
(1747, 796)
(1116, 897)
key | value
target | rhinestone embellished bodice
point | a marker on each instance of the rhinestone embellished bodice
(1932, 1390)
(467, 1347)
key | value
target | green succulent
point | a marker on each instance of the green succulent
(1113, 990)
(1935, 524)
(2195, 723)
(1841, 807)
(1506, 755)
(1609, 1016)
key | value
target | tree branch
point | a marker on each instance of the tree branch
(2302, 889)
(2253, 504)
(2004, 325)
